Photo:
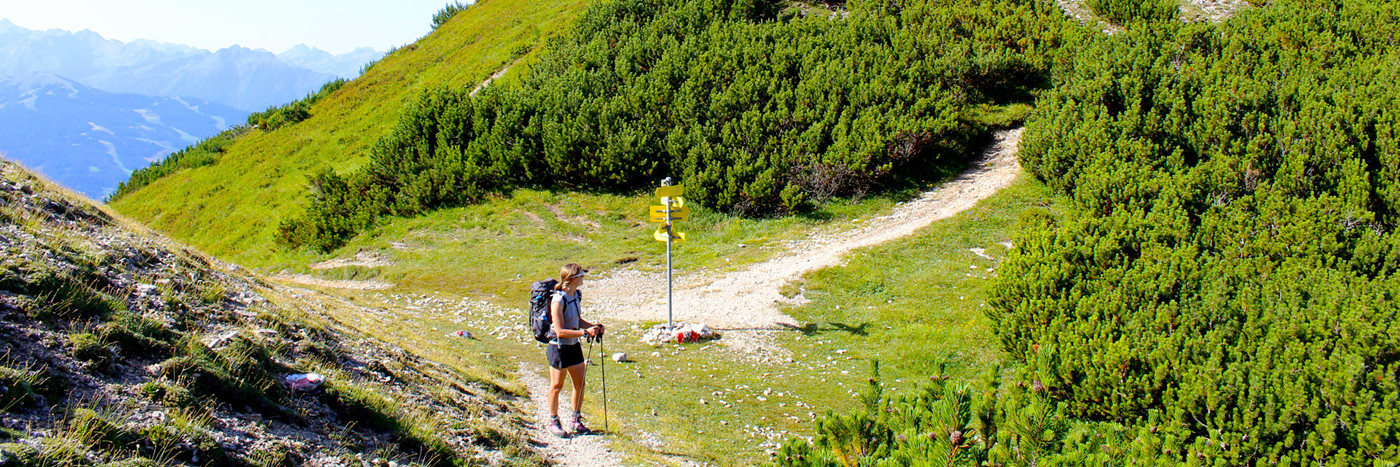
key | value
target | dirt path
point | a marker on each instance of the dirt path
(574, 451)
(1212, 10)
(494, 76)
(304, 279)
(364, 259)
(746, 303)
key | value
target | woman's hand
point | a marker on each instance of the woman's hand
(595, 331)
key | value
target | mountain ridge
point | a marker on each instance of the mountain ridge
(235, 76)
(91, 140)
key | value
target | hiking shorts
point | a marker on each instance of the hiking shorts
(563, 356)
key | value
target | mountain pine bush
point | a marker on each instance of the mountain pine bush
(278, 116)
(447, 12)
(757, 108)
(1228, 270)
(1001, 420)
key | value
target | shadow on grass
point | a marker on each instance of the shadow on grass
(811, 329)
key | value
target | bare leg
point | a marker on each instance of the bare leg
(556, 383)
(576, 373)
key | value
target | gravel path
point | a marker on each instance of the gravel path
(1213, 10)
(588, 451)
(1220, 10)
(364, 259)
(746, 304)
(304, 279)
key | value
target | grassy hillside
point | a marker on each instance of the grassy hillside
(231, 208)
(118, 347)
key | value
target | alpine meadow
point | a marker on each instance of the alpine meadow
(923, 233)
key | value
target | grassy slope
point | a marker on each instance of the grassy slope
(231, 208)
(53, 229)
(909, 303)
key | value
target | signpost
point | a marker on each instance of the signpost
(672, 209)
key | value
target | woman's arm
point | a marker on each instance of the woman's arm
(556, 316)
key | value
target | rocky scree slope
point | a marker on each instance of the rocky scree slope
(120, 347)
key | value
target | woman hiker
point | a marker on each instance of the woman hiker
(564, 352)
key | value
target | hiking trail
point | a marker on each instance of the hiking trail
(745, 303)
(589, 450)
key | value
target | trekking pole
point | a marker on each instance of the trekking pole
(603, 352)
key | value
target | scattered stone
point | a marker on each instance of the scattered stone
(682, 333)
(305, 381)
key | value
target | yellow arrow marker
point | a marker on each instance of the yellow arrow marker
(658, 213)
(676, 201)
(670, 191)
(660, 236)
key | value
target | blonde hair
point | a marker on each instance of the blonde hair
(567, 272)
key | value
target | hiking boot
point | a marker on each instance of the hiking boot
(579, 429)
(556, 429)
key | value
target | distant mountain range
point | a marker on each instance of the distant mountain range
(238, 77)
(86, 110)
(90, 140)
(346, 65)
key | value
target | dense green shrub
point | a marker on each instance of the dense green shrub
(447, 12)
(1228, 269)
(293, 112)
(1000, 421)
(757, 110)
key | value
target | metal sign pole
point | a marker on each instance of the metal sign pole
(669, 324)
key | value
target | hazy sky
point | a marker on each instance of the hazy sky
(276, 25)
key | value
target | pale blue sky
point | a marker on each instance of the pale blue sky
(334, 26)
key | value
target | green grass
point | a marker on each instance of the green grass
(497, 248)
(920, 300)
(18, 383)
(231, 208)
(910, 303)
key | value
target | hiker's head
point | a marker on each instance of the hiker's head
(569, 273)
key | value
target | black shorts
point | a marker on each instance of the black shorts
(563, 356)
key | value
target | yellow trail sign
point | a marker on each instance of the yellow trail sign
(670, 191)
(658, 213)
(676, 201)
(660, 236)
